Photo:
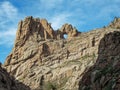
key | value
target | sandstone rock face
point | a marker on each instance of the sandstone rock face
(105, 74)
(67, 29)
(43, 60)
(7, 82)
(34, 30)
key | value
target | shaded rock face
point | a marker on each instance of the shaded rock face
(7, 82)
(105, 74)
(43, 60)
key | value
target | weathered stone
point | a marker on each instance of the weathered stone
(41, 56)
(68, 30)
(7, 82)
(104, 74)
(115, 23)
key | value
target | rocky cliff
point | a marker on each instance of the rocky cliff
(8, 82)
(44, 60)
(105, 73)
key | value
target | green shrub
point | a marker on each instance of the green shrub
(50, 86)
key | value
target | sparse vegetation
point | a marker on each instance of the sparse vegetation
(50, 86)
(87, 56)
(53, 85)
(118, 27)
(72, 62)
(63, 81)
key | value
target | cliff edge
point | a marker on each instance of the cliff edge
(44, 60)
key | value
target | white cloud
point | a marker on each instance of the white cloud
(8, 10)
(9, 32)
(58, 12)
(8, 14)
(7, 37)
(8, 22)
(50, 3)
(59, 19)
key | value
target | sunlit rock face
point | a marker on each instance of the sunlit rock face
(115, 23)
(69, 30)
(43, 59)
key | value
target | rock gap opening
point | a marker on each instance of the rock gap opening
(65, 36)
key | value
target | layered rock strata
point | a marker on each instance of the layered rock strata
(8, 82)
(43, 60)
(105, 73)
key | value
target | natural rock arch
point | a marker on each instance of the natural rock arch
(67, 29)
(65, 36)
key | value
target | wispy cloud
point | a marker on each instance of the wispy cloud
(48, 4)
(83, 14)
(9, 32)
(8, 17)
(77, 12)
(8, 9)
(7, 37)
(59, 19)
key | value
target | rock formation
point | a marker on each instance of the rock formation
(33, 30)
(115, 24)
(7, 82)
(67, 29)
(43, 60)
(105, 73)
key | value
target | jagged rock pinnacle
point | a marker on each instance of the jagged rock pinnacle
(115, 24)
(42, 59)
(36, 29)
(33, 29)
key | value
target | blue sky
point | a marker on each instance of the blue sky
(85, 15)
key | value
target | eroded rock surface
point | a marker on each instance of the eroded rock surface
(7, 82)
(69, 30)
(115, 23)
(43, 60)
(105, 73)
